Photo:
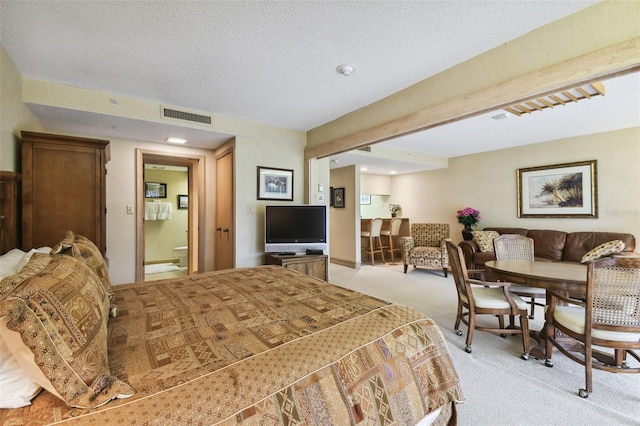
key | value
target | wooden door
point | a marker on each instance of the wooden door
(224, 236)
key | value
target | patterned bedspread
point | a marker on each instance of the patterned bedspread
(264, 345)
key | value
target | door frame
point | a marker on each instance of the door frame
(195, 236)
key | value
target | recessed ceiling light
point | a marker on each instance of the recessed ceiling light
(392, 172)
(363, 169)
(176, 140)
(346, 69)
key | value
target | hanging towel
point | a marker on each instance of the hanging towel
(150, 210)
(164, 211)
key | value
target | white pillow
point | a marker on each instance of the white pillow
(9, 262)
(22, 388)
(25, 258)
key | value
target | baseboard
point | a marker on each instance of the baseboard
(345, 262)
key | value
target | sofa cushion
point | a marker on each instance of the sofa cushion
(579, 243)
(502, 231)
(603, 250)
(548, 244)
(484, 239)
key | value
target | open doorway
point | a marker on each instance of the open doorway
(166, 225)
(169, 197)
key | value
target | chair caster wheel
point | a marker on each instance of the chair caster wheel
(625, 365)
(583, 393)
(503, 335)
(459, 332)
(548, 363)
(525, 356)
(467, 349)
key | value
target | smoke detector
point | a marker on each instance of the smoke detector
(346, 69)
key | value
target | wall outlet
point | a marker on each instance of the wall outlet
(129, 209)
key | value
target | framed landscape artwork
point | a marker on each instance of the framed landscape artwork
(155, 190)
(275, 184)
(561, 190)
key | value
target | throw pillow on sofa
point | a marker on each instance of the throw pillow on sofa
(484, 239)
(603, 250)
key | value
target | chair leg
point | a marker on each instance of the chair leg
(445, 270)
(533, 307)
(380, 247)
(472, 327)
(526, 342)
(371, 254)
(405, 268)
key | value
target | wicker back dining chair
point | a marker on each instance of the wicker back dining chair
(477, 297)
(608, 318)
(519, 247)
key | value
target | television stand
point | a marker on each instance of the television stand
(314, 265)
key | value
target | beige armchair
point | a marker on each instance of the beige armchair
(426, 246)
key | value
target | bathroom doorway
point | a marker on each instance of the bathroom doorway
(166, 224)
(168, 198)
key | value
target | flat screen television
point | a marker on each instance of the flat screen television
(295, 228)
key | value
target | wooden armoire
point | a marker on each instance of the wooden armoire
(63, 188)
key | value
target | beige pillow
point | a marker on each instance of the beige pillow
(56, 327)
(84, 249)
(603, 250)
(484, 239)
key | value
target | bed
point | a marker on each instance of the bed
(247, 346)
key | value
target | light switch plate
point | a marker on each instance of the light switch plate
(320, 187)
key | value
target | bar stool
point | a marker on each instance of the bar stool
(373, 234)
(392, 233)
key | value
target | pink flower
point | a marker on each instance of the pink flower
(468, 216)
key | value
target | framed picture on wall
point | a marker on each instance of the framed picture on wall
(183, 202)
(566, 190)
(338, 198)
(275, 184)
(365, 199)
(155, 190)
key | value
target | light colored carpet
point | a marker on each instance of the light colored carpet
(499, 387)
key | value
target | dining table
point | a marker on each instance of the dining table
(567, 277)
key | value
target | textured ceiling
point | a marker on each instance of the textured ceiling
(265, 61)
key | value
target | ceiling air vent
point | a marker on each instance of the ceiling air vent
(364, 148)
(187, 116)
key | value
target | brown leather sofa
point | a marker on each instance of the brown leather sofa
(550, 245)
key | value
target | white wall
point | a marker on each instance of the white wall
(487, 182)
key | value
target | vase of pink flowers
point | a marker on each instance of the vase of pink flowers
(468, 217)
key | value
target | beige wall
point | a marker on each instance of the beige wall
(249, 215)
(162, 236)
(345, 222)
(487, 182)
(121, 191)
(14, 115)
